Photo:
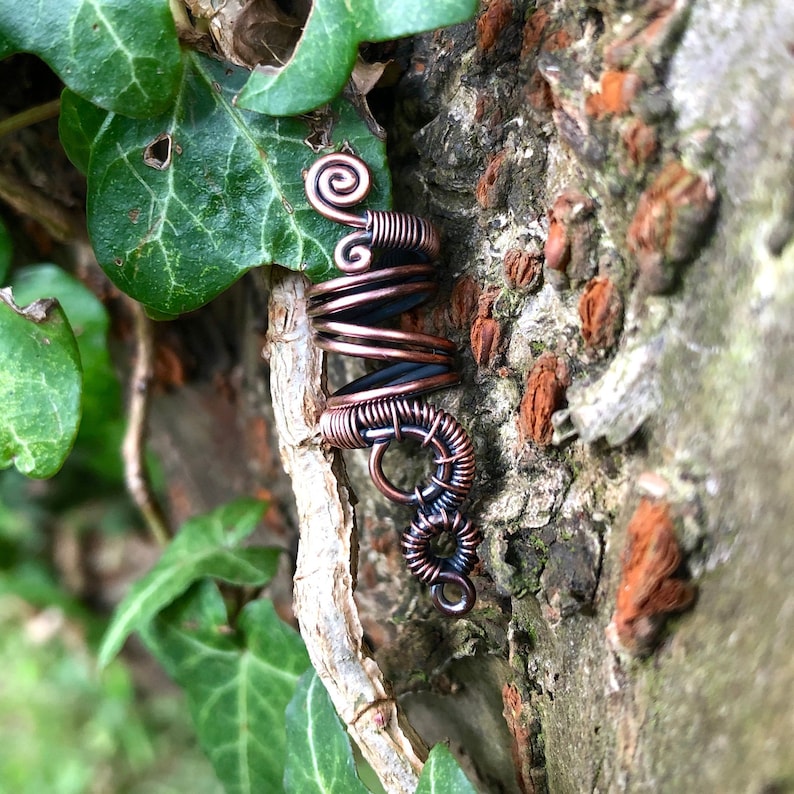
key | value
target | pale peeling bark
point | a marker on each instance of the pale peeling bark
(326, 563)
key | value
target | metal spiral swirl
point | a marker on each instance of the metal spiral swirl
(375, 410)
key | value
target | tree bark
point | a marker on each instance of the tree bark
(613, 186)
(648, 145)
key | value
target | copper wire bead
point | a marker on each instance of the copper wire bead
(387, 267)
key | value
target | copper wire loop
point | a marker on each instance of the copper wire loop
(387, 266)
(417, 545)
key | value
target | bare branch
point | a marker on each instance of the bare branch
(29, 116)
(61, 224)
(325, 574)
(136, 472)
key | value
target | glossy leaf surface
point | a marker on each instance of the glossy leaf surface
(40, 386)
(122, 55)
(320, 758)
(324, 57)
(238, 681)
(181, 205)
(442, 774)
(98, 443)
(206, 546)
(79, 124)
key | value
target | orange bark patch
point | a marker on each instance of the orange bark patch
(487, 191)
(463, 301)
(670, 218)
(492, 22)
(539, 36)
(601, 313)
(557, 250)
(545, 394)
(522, 268)
(521, 749)
(649, 31)
(533, 32)
(640, 141)
(486, 332)
(649, 589)
(558, 40)
(568, 232)
(538, 92)
(486, 337)
(618, 89)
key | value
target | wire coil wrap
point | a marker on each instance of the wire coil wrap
(387, 266)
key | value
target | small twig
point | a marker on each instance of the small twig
(325, 569)
(136, 472)
(27, 200)
(30, 116)
(178, 10)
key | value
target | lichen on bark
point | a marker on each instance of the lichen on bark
(487, 130)
(698, 376)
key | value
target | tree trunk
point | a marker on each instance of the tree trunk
(654, 140)
(613, 186)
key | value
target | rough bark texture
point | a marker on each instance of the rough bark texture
(325, 571)
(675, 123)
(613, 184)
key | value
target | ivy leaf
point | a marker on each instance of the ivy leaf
(86, 314)
(79, 124)
(238, 682)
(442, 774)
(326, 52)
(122, 55)
(98, 441)
(40, 386)
(319, 757)
(6, 249)
(181, 205)
(207, 545)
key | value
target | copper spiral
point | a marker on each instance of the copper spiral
(388, 270)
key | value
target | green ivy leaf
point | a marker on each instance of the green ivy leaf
(98, 441)
(6, 250)
(227, 199)
(40, 386)
(122, 55)
(326, 52)
(207, 545)
(238, 682)
(442, 774)
(319, 757)
(79, 124)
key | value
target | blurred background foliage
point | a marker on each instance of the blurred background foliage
(64, 729)
(69, 545)
(67, 549)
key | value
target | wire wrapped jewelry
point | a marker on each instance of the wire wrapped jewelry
(387, 266)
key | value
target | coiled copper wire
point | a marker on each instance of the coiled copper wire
(377, 409)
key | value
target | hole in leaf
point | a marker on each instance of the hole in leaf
(158, 153)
